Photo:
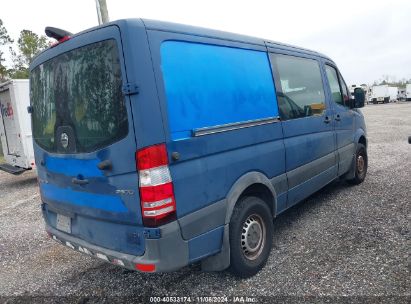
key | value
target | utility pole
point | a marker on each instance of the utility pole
(102, 12)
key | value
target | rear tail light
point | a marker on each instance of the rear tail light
(158, 204)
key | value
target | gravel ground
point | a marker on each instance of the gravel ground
(343, 241)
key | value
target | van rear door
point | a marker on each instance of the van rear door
(85, 143)
(8, 117)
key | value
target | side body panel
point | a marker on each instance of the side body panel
(208, 166)
(309, 145)
(344, 127)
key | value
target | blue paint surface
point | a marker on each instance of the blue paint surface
(74, 167)
(205, 244)
(104, 202)
(209, 85)
(115, 236)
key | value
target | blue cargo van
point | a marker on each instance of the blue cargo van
(159, 145)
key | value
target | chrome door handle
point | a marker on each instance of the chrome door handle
(79, 181)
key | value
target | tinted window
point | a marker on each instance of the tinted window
(210, 85)
(332, 77)
(302, 92)
(80, 89)
(345, 91)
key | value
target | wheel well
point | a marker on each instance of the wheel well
(362, 140)
(260, 191)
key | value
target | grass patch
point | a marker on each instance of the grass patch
(1, 159)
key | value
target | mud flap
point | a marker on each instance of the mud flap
(221, 260)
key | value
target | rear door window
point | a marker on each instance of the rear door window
(80, 89)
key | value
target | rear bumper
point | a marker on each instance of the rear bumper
(168, 253)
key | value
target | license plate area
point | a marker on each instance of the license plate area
(63, 223)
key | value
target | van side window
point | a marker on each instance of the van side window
(346, 92)
(302, 92)
(332, 76)
(210, 85)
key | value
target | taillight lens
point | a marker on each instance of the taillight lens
(158, 204)
(152, 157)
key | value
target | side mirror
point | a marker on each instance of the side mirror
(359, 97)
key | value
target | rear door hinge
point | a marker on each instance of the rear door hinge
(152, 233)
(130, 89)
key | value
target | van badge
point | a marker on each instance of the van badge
(64, 140)
(124, 192)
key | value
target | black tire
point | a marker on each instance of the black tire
(251, 234)
(361, 165)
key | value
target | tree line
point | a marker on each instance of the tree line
(27, 46)
(391, 81)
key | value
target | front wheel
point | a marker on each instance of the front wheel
(361, 165)
(251, 234)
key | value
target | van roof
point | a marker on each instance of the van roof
(150, 24)
(205, 32)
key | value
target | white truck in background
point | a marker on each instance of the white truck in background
(366, 88)
(408, 92)
(15, 127)
(384, 94)
(401, 94)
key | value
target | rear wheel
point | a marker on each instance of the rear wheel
(361, 165)
(251, 233)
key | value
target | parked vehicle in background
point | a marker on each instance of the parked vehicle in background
(393, 93)
(383, 94)
(160, 145)
(15, 127)
(408, 92)
(402, 94)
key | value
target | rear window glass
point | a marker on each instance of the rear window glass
(210, 85)
(80, 91)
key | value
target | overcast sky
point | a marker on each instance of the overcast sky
(367, 39)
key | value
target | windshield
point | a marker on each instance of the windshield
(79, 93)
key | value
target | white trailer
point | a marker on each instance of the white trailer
(383, 93)
(401, 94)
(393, 93)
(408, 92)
(15, 126)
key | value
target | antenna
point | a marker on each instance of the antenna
(102, 12)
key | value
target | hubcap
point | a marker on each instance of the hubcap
(252, 237)
(360, 163)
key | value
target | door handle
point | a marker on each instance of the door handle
(80, 181)
(338, 118)
(105, 165)
(327, 120)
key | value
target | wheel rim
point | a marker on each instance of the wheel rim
(360, 164)
(253, 237)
